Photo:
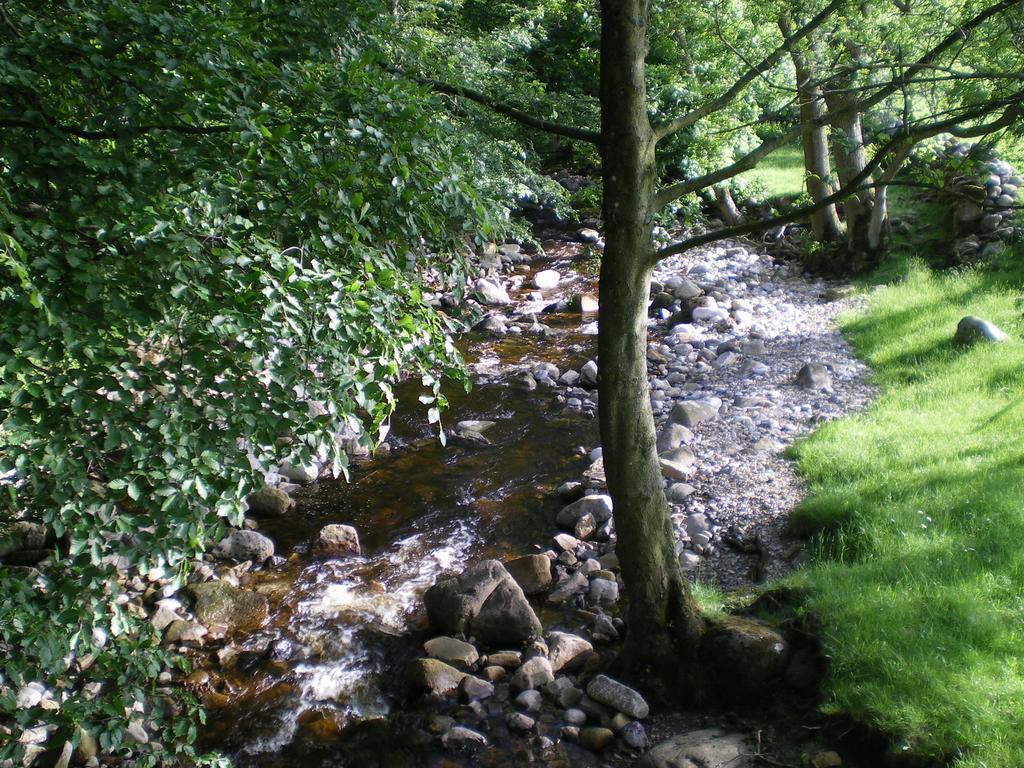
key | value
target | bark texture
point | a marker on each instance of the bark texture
(664, 622)
(825, 223)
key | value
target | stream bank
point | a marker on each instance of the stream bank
(743, 358)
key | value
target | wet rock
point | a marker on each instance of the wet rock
(585, 527)
(336, 539)
(485, 602)
(269, 502)
(493, 673)
(596, 739)
(973, 329)
(619, 697)
(584, 303)
(708, 748)
(494, 324)
(247, 545)
(599, 506)
(459, 734)
(564, 542)
(532, 674)
(689, 413)
(217, 602)
(531, 572)
(474, 689)
(568, 587)
(529, 700)
(451, 651)
(491, 292)
(518, 721)
(814, 376)
(574, 716)
(546, 279)
(565, 649)
(434, 676)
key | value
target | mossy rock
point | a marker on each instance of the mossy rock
(217, 602)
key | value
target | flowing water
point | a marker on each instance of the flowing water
(321, 683)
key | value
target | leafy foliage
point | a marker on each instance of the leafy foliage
(218, 219)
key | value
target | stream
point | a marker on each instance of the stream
(342, 630)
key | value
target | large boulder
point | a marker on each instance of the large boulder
(484, 602)
(599, 506)
(491, 292)
(217, 602)
(973, 329)
(708, 748)
(531, 572)
(814, 376)
(566, 650)
(746, 658)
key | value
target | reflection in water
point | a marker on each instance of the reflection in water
(343, 630)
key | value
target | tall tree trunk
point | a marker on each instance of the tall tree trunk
(664, 622)
(850, 158)
(825, 224)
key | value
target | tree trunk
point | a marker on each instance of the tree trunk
(727, 206)
(825, 224)
(663, 621)
(862, 208)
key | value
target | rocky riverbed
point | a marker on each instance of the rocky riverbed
(458, 604)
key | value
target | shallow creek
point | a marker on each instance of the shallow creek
(326, 670)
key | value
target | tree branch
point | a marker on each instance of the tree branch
(1013, 111)
(514, 113)
(82, 133)
(750, 160)
(667, 128)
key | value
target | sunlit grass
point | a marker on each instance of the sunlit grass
(917, 508)
(781, 174)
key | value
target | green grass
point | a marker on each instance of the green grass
(917, 508)
(781, 174)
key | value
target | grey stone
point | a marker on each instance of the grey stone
(491, 292)
(518, 721)
(459, 734)
(270, 502)
(529, 700)
(484, 601)
(588, 374)
(689, 413)
(588, 235)
(973, 329)
(708, 748)
(679, 492)
(564, 649)
(451, 651)
(531, 572)
(546, 279)
(672, 436)
(533, 674)
(619, 697)
(474, 689)
(434, 676)
(603, 592)
(634, 735)
(599, 506)
(814, 376)
(336, 539)
(247, 545)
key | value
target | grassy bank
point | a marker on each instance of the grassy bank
(918, 511)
